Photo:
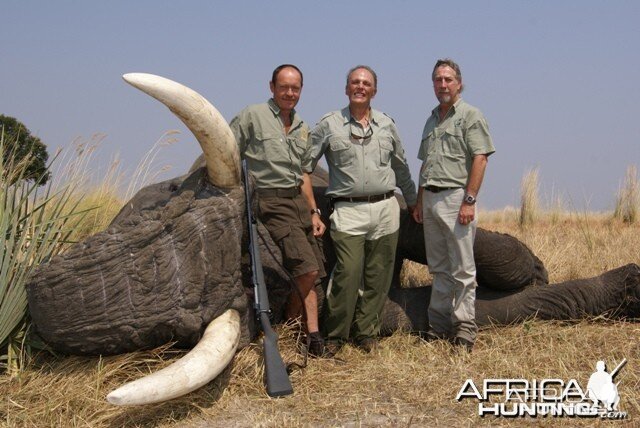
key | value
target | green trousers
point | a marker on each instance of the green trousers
(361, 264)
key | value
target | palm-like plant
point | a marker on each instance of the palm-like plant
(35, 222)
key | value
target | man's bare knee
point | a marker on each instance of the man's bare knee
(307, 280)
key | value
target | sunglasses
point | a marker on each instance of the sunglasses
(367, 134)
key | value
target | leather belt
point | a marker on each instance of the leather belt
(436, 189)
(371, 198)
(290, 192)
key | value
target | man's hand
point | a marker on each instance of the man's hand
(416, 212)
(318, 225)
(467, 213)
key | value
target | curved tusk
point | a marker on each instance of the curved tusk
(202, 364)
(205, 122)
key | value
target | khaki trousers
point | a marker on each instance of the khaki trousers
(365, 251)
(449, 246)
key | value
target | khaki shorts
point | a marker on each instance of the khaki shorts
(288, 221)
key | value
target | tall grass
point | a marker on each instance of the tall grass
(529, 200)
(146, 172)
(103, 190)
(628, 199)
(556, 206)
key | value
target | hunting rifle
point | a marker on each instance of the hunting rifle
(277, 378)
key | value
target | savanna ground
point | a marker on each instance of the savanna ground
(407, 382)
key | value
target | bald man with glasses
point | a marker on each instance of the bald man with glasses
(366, 162)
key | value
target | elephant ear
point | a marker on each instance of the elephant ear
(504, 263)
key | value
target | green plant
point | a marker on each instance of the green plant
(35, 222)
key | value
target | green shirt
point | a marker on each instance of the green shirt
(448, 147)
(275, 158)
(361, 167)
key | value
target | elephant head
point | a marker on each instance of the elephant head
(167, 267)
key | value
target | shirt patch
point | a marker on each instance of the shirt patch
(304, 134)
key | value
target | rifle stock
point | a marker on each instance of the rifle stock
(277, 378)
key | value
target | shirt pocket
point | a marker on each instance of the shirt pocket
(272, 145)
(453, 143)
(341, 151)
(386, 151)
(299, 147)
(426, 145)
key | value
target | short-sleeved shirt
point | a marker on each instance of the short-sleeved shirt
(366, 166)
(276, 159)
(448, 146)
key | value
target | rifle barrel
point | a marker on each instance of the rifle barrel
(277, 378)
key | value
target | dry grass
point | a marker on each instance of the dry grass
(408, 382)
(102, 192)
(529, 199)
(628, 199)
(573, 244)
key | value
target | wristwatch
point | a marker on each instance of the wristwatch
(316, 211)
(469, 199)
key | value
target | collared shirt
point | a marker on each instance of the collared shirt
(365, 166)
(448, 146)
(276, 159)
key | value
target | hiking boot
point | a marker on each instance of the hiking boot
(367, 344)
(331, 349)
(463, 344)
(431, 336)
(315, 344)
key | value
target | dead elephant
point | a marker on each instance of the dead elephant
(173, 267)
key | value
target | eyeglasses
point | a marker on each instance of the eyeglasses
(367, 134)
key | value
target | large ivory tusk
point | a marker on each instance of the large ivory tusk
(201, 365)
(205, 122)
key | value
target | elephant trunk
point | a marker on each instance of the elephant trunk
(615, 293)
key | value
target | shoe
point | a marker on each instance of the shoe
(431, 336)
(315, 344)
(331, 349)
(367, 344)
(463, 343)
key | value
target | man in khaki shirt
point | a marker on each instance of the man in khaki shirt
(274, 141)
(366, 163)
(454, 150)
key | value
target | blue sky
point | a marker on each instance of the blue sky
(557, 80)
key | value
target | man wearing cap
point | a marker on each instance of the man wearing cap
(366, 161)
(274, 142)
(454, 151)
